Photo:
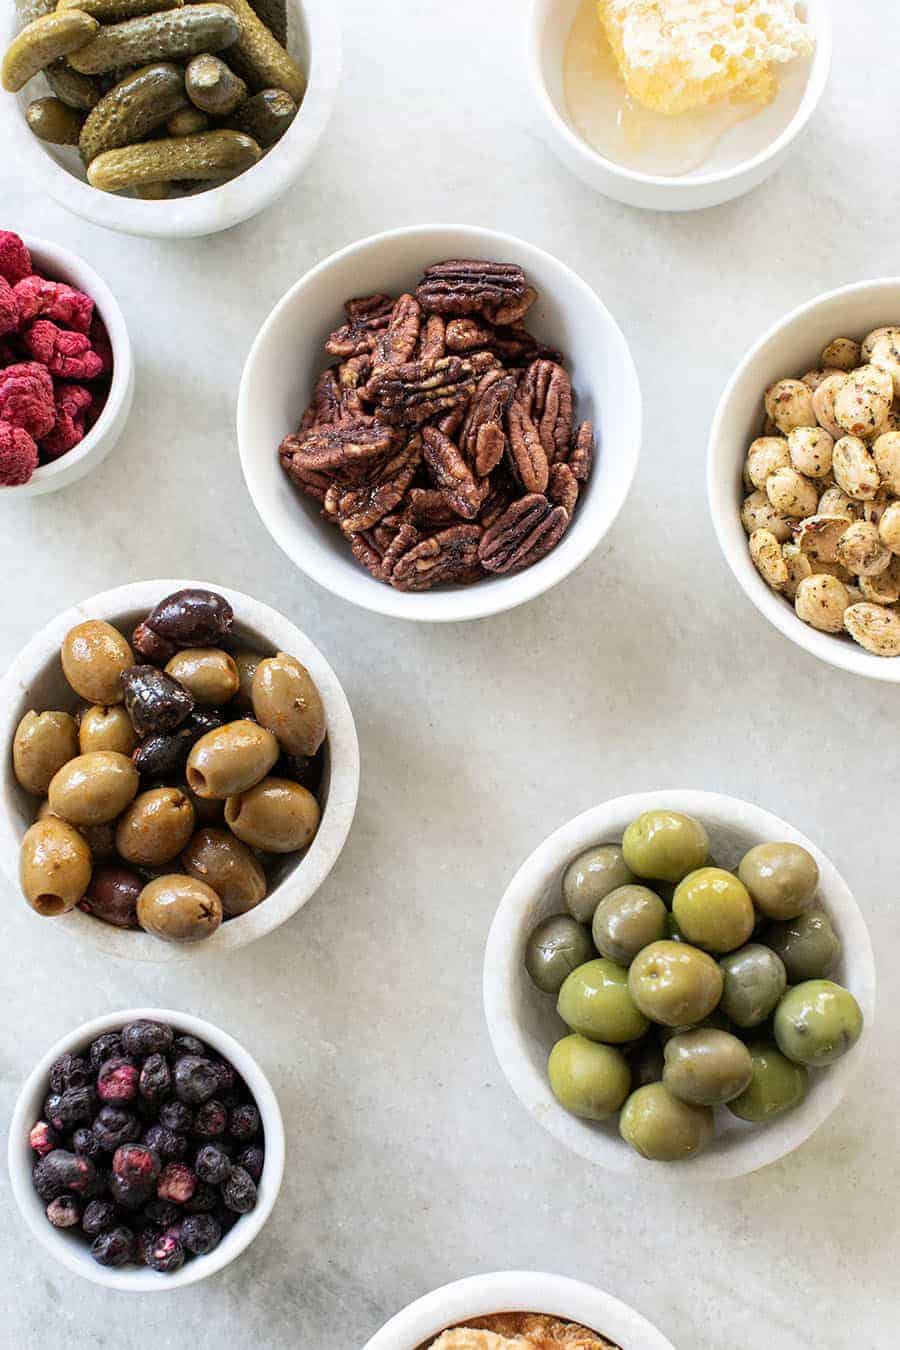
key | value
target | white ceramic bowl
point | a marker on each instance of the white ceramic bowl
(35, 680)
(524, 1025)
(60, 265)
(72, 1249)
(743, 159)
(287, 357)
(313, 37)
(789, 348)
(517, 1291)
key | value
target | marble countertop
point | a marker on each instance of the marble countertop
(410, 1161)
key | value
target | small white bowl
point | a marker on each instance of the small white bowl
(524, 1024)
(791, 347)
(743, 158)
(288, 355)
(314, 39)
(35, 680)
(517, 1291)
(50, 260)
(73, 1249)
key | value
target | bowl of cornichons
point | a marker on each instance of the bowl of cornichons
(167, 119)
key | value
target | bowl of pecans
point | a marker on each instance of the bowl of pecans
(439, 423)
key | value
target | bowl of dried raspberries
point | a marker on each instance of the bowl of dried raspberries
(451, 440)
(66, 370)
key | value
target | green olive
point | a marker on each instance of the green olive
(246, 663)
(277, 815)
(92, 789)
(556, 947)
(43, 743)
(628, 920)
(54, 866)
(714, 910)
(179, 908)
(776, 1086)
(755, 979)
(594, 1001)
(155, 827)
(206, 672)
(228, 866)
(591, 877)
(781, 878)
(665, 845)
(93, 655)
(231, 759)
(817, 1022)
(588, 1079)
(662, 1128)
(706, 1067)
(207, 810)
(808, 945)
(106, 728)
(674, 983)
(100, 839)
(287, 702)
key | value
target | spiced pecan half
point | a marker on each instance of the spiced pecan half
(465, 286)
(516, 347)
(483, 439)
(524, 534)
(420, 390)
(366, 319)
(562, 488)
(468, 335)
(359, 507)
(367, 552)
(310, 481)
(400, 339)
(581, 456)
(433, 340)
(347, 447)
(448, 556)
(546, 393)
(428, 508)
(325, 407)
(451, 473)
(527, 456)
(514, 311)
(352, 376)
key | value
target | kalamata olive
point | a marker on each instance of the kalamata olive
(151, 646)
(287, 702)
(165, 756)
(191, 618)
(155, 701)
(93, 656)
(112, 896)
(104, 728)
(55, 866)
(43, 743)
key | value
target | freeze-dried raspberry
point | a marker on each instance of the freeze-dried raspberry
(18, 455)
(72, 404)
(9, 309)
(26, 398)
(15, 260)
(39, 298)
(64, 353)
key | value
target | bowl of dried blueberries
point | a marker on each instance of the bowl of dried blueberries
(146, 1150)
(181, 770)
(678, 984)
(439, 423)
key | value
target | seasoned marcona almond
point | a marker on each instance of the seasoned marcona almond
(757, 513)
(818, 536)
(765, 455)
(835, 502)
(765, 551)
(864, 401)
(855, 469)
(798, 568)
(861, 551)
(813, 378)
(886, 356)
(820, 602)
(823, 403)
(790, 494)
(886, 452)
(789, 403)
(874, 627)
(811, 449)
(842, 353)
(883, 589)
(889, 528)
(868, 342)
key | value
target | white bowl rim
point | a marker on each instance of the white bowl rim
(337, 818)
(517, 1291)
(473, 602)
(128, 1278)
(221, 207)
(769, 1143)
(812, 95)
(844, 654)
(53, 257)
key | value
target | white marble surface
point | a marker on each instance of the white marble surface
(410, 1161)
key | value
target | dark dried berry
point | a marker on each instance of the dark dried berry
(84, 1141)
(195, 1079)
(114, 1126)
(154, 701)
(244, 1122)
(176, 1116)
(63, 1171)
(239, 1191)
(112, 896)
(166, 1254)
(225, 1218)
(191, 618)
(213, 1164)
(47, 1183)
(188, 1045)
(115, 1247)
(107, 1046)
(43, 1138)
(117, 1080)
(98, 1215)
(210, 1120)
(200, 1233)
(252, 1160)
(69, 1071)
(130, 1195)
(204, 1199)
(136, 1164)
(162, 1213)
(147, 1038)
(64, 1212)
(169, 1145)
(176, 1182)
(72, 1107)
(226, 1076)
(156, 1078)
(145, 1240)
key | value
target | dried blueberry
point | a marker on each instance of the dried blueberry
(146, 1237)
(47, 1183)
(69, 1071)
(204, 1199)
(117, 1080)
(115, 1247)
(146, 1038)
(200, 1233)
(188, 1045)
(107, 1046)
(243, 1122)
(136, 1164)
(225, 1218)
(210, 1120)
(191, 618)
(239, 1191)
(154, 701)
(156, 1078)
(129, 1195)
(213, 1164)
(166, 1254)
(63, 1171)
(84, 1141)
(176, 1116)
(43, 1138)
(64, 1212)
(176, 1182)
(162, 1213)
(252, 1160)
(195, 1079)
(169, 1145)
(72, 1107)
(227, 1079)
(98, 1215)
(114, 1126)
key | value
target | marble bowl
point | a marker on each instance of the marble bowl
(59, 264)
(790, 347)
(288, 356)
(73, 1249)
(743, 159)
(314, 38)
(524, 1024)
(35, 680)
(517, 1291)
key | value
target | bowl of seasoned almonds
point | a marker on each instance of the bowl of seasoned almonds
(804, 477)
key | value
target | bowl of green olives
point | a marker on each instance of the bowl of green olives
(181, 770)
(679, 977)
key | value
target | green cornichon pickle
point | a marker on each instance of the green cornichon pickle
(41, 43)
(266, 116)
(167, 36)
(187, 122)
(76, 91)
(212, 86)
(112, 11)
(212, 154)
(153, 192)
(259, 58)
(133, 108)
(52, 121)
(274, 15)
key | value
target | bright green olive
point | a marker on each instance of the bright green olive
(674, 983)
(556, 947)
(817, 1022)
(755, 979)
(665, 845)
(706, 1067)
(781, 879)
(714, 910)
(628, 920)
(594, 1001)
(776, 1086)
(808, 945)
(588, 1079)
(591, 878)
(662, 1128)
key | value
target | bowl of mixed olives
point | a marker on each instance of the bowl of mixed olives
(679, 978)
(181, 770)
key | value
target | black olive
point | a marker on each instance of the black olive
(191, 618)
(154, 701)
